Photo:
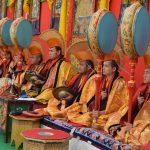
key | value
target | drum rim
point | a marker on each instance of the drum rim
(98, 50)
(135, 6)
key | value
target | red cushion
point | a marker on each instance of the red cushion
(45, 134)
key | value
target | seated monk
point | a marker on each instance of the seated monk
(5, 56)
(114, 95)
(57, 108)
(6, 67)
(138, 134)
(56, 69)
(16, 72)
(80, 89)
(28, 87)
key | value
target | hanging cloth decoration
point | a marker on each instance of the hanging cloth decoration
(127, 3)
(10, 4)
(104, 4)
(26, 6)
(142, 2)
(50, 3)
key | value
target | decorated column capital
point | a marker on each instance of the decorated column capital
(104, 4)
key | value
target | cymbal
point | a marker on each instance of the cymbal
(61, 92)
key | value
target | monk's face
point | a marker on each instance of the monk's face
(36, 59)
(7, 55)
(147, 76)
(53, 53)
(83, 67)
(108, 69)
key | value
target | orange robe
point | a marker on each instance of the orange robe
(117, 102)
(140, 133)
(56, 72)
(143, 89)
(84, 93)
(27, 85)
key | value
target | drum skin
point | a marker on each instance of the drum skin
(135, 30)
(102, 32)
(5, 25)
(21, 33)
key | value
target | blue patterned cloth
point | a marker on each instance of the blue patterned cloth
(98, 138)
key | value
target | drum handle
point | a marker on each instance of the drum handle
(131, 86)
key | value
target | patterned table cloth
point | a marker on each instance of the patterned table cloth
(97, 138)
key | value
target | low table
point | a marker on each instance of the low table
(45, 139)
(6, 106)
(19, 124)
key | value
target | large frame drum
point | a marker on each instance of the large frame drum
(135, 30)
(21, 33)
(102, 32)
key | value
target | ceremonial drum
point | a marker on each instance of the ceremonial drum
(135, 30)
(5, 25)
(21, 33)
(45, 139)
(102, 32)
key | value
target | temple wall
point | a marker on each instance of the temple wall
(45, 23)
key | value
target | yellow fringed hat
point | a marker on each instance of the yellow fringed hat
(36, 48)
(81, 51)
(117, 55)
(53, 38)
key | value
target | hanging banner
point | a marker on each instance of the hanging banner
(0, 8)
(3, 8)
(83, 10)
(56, 14)
(35, 16)
(18, 9)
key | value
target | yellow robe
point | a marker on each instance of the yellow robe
(140, 133)
(117, 103)
(24, 68)
(72, 111)
(88, 92)
(65, 73)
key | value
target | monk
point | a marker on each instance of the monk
(13, 73)
(114, 96)
(77, 86)
(28, 87)
(142, 94)
(56, 70)
(8, 57)
(138, 134)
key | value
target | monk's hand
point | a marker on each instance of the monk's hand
(102, 112)
(128, 126)
(95, 114)
(140, 101)
(136, 147)
(38, 82)
(104, 94)
(68, 97)
(64, 82)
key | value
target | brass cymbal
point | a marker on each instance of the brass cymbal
(61, 92)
